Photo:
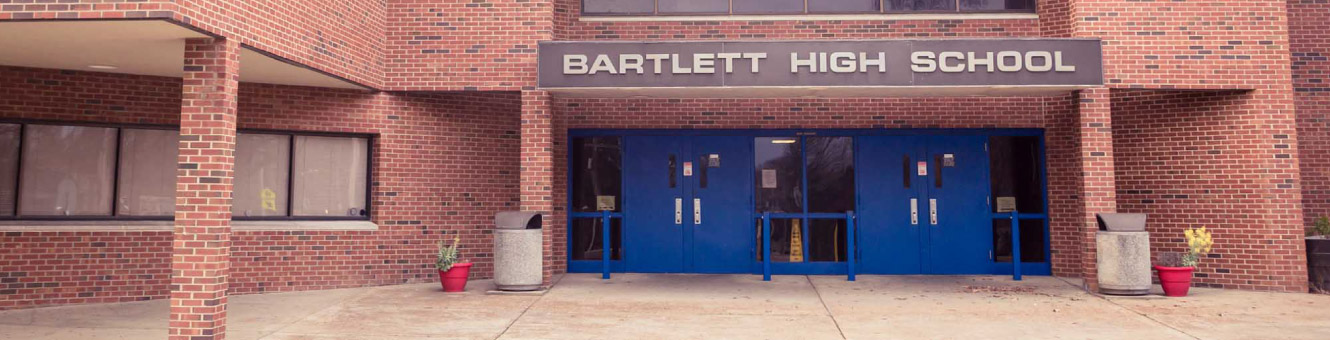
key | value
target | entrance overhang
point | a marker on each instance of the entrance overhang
(820, 69)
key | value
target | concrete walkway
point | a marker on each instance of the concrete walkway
(637, 306)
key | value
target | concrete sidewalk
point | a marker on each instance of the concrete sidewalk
(639, 306)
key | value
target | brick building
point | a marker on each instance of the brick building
(330, 144)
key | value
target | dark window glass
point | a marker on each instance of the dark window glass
(995, 5)
(768, 6)
(618, 6)
(844, 6)
(830, 174)
(1014, 173)
(693, 6)
(786, 240)
(8, 167)
(921, 5)
(587, 239)
(826, 240)
(1032, 240)
(778, 174)
(597, 173)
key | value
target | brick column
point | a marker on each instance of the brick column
(537, 167)
(1097, 188)
(200, 259)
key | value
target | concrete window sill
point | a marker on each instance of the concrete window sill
(149, 226)
(814, 17)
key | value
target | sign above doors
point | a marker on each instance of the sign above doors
(868, 64)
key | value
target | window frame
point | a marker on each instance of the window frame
(115, 175)
(882, 10)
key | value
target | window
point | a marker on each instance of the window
(597, 176)
(330, 175)
(66, 170)
(50, 171)
(800, 180)
(290, 176)
(9, 142)
(148, 161)
(1014, 168)
(750, 7)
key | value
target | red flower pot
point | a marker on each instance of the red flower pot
(1175, 280)
(454, 280)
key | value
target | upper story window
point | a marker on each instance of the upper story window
(51, 171)
(788, 7)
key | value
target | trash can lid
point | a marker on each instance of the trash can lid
(517, 219)
(1121, 222)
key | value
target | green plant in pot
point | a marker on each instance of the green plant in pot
(452, 271)
(1318, 255)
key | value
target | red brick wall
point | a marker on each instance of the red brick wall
(341, 37)
(464, 45)
(1219, 160)
(443, 163)
(1309, 39)
(1189, 44)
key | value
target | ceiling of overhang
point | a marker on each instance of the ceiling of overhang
(144, 47)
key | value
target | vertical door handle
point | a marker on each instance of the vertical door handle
(678, 210)
(914, 211)
(697, 211)
(932, 211)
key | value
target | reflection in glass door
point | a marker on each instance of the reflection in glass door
(806, 184)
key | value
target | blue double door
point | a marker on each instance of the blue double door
(691, 210)
(924, 206)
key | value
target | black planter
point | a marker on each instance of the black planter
(1318, 262)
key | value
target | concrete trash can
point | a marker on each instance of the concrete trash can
(1123, 254)
(517, 250)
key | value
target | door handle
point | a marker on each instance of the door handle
(914, 211)
(697, 211)
(932, 211)
(678, 210)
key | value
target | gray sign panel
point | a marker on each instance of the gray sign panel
(941, 62)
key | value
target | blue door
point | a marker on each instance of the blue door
(654, 191)
(891, 237)
(688, 204)
(722, 189)
(959, 223)
(923, 207)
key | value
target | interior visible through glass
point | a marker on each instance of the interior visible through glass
(778, 174)
(597, 174)
(147, 172)
(1016, 184)
(587, 240)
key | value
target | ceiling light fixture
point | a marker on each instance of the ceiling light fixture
(783, 141)
(102, 67)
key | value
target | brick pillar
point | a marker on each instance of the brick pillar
(537, 167)
(200, 259)
(1097, 188)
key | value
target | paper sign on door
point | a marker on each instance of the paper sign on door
(923, 168)
(687, 168)
(768, 178)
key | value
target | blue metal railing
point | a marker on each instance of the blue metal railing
(605, 251)
(1015, 218)
(851, 239)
